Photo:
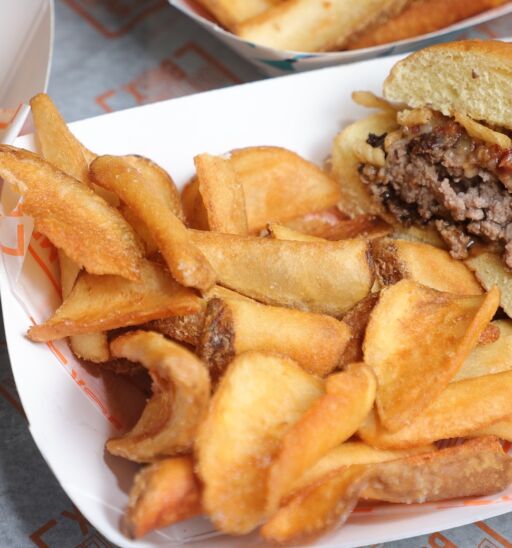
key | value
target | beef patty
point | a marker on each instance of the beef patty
(437, 174)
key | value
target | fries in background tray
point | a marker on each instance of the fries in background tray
(316, 25)
(301, 359)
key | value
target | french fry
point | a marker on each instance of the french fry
(484, 133)
(258, 399)
(416, 341)
(162, 494)
(76, 220)
(222, 194)
(357, 319)
(279, 185)
(61, 148)
(281, 232)
(309, 25)
(324, 277)
(231, 12)
(142, 190)
(141, 230)
(317, 223)
(355, 198)
(233, 326)
(491, 271)
(462, 408)
(368, 99)
(181, 394)
(317, 507)
(488, 359)
(424, 235)
(352, 453)
(398, 259)
(101, 303)
(475, 468)
(501, 429)
(331, 420)
(195, 212)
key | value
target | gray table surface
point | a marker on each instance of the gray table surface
(110, 55)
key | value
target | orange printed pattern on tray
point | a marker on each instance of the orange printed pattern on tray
(190, 69)
(20, 243)
(113, 18)
(493, 534)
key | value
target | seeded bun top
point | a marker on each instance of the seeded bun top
(473, 77)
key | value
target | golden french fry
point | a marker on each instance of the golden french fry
(142, 190)
(91, 347)
(58, 145)
(258, 399)
(490, 335)
(317, 507)
(316, 223)
(195, 212)
(231, 12)
(484, 133)
(355, 198)
(181, 394)
(279, 185)
(162, 494)
(141, 230)
(351, 453)
(398, 259)
(76, 220)
(501, 429)
(325, 277)
(309, 25)
(281, 232)
(188, 328)
(475, 468)
(366, 154)
(368, 99)
(233, 326)
(462, 408)
(489, 358)
(357, 319)
(69, 271)
(222, 194)
(100, 303)
(414, 116)
(491, 271)
(61, 148)
(331, 420)
(423, 235)
(416, 341)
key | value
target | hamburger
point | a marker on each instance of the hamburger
(438, 155)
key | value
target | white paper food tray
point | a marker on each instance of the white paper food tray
(278, 62)
(26, 30)
(71, 412)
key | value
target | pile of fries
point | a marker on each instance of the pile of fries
(317, 25)
(301, 360)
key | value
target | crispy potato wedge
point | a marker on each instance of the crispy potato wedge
(280, 185)
(501, 429)
(396, 260)
(491, 271)
(317, 507)
(69, 271)
(61, 148)
(331, 420)
(195, 212)
(475, 468)
(222, 194)
(489, 358)
(357, 319)
(181, 394)
(76, 220)
(325, 277)
(423, 235)
(355, 199)
(462, 408)
(101, 303)
(258, 399)
(309, 25)
(148, 192)
(351, 453)
(141, 230)
(234, 326)
(316, 223)
(231, 12)
(416, 341)
(162, 494)
(281, 232)
(56, 142)
(91, 347)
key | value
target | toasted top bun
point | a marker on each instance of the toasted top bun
(473, 77)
